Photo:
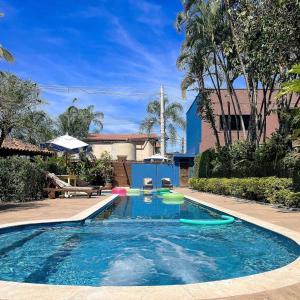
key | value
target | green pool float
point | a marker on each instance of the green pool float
(225, 220)
(173, 196)
(163, 190)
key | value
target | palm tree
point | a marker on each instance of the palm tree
(37, 128)
(173, 118)
(4, 53)
(203, 59)
(77, 121)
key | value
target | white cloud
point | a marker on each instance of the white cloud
(123, 63)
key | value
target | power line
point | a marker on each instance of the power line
(119, 91)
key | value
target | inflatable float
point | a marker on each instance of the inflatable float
(162, 191)
(173, 196)
(119, 191)
(223, 221)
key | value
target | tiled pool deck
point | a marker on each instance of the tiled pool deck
(283, 283)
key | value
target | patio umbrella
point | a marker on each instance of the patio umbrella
(156, 158)
(67, 143)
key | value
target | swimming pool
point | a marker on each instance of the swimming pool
(139, 240)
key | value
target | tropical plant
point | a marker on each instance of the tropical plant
(230, 40)
(20, 180)
(296, 176)
(202, 166)
(268, 189)
(293, 85)
(56, 165)
(288, 88)
(38, 128)
(77, 121)
(17, 98)
(173, 118)
(96, 172)
(4, 53)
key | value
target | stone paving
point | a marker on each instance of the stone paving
(46, 209)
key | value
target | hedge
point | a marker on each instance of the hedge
(296, 176)
(20, 180)
(266, 189)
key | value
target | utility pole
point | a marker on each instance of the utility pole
(162, 123)
(182, 145)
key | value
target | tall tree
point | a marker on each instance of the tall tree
(173, 118)
(77, 121)
(230, 39)
(266, 36)
(206, 58)
(37, 128)
(17, 98)
(4, 53)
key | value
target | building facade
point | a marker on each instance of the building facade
(199, 134)
(136, 147)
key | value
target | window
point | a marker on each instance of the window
(235, 122)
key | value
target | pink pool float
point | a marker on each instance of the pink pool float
(119, 191)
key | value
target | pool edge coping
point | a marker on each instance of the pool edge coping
(262, 282)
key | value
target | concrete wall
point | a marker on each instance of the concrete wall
(98, 149)
(134, 150)
(125, 149)
(144, 150)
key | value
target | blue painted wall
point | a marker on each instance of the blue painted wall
(193, 129)
(154, 171)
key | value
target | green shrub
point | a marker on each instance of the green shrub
(56, 165)
(243, 159)
(296, 176)
(196, 166)
(267, 189)
(205, 167)
(20, 179)
(221, 165)
(293, 199)
(279, 197)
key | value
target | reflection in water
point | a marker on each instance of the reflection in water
(148, 199)
(172, 202)
(154, 207)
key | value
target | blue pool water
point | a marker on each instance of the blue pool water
(140, 241)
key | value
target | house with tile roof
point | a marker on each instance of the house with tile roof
(12, 146)
(134, 146)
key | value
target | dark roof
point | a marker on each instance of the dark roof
(16, 146)
(121, 137)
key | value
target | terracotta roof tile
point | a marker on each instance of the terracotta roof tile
(20, 146)
(121, 137)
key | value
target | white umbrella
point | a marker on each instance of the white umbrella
(66, 143)
(156, 157)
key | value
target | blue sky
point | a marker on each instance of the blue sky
(123, 46)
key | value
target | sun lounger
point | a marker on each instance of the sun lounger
(89, 191)
(57, 186)
(166, 183)
(148, 184)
